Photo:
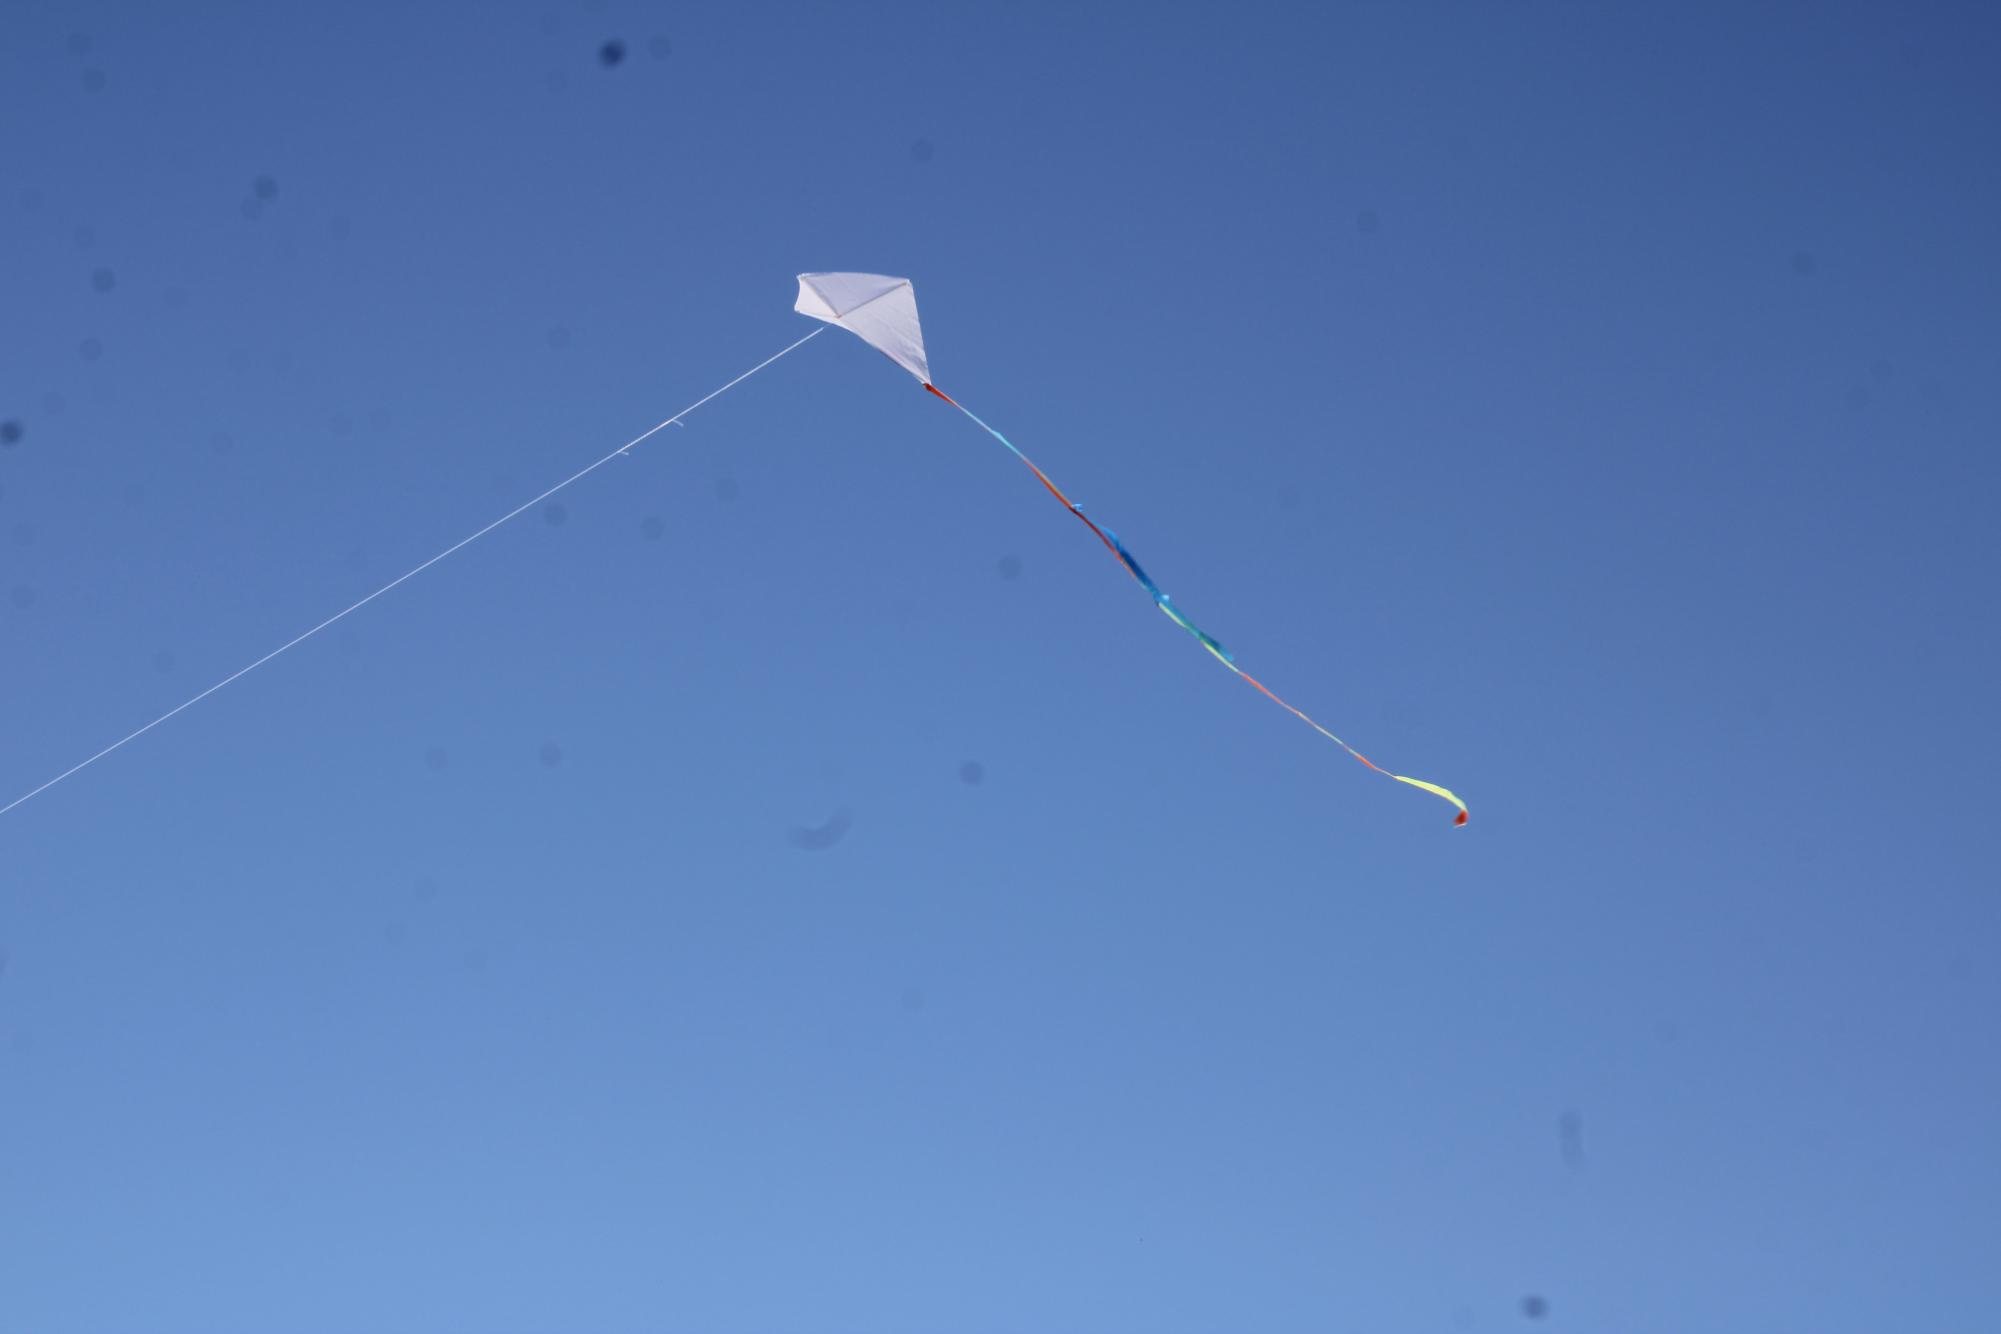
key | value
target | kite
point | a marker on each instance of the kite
(882, 312)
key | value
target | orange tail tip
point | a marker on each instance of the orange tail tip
(930, 388)
(1459, 818)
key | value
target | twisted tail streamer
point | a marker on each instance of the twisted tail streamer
(1173, 613)
(407, 575)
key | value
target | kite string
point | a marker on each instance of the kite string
(409, 574)
(1166, 605)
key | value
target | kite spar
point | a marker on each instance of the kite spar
(882, 312)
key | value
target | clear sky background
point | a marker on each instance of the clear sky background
(799, 883)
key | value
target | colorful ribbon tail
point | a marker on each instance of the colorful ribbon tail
(1166, 605)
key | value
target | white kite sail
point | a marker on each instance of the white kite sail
(880, 311)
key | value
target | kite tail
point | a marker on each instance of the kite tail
(1166, 605)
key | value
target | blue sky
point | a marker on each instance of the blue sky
(798, 883)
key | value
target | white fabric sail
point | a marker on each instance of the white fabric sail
(881, 311)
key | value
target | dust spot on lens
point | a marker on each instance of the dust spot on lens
(103, 280)
(972, 773)
(11, 433)
(1535, 1308)
(264, 187)
(923, 150)
(818, 838)
(551, 754)
(1570, 1139)
(612, 53)
(1008, 567)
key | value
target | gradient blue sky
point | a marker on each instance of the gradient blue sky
(1590, 407)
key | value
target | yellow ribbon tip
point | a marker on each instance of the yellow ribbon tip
(1438, 791)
